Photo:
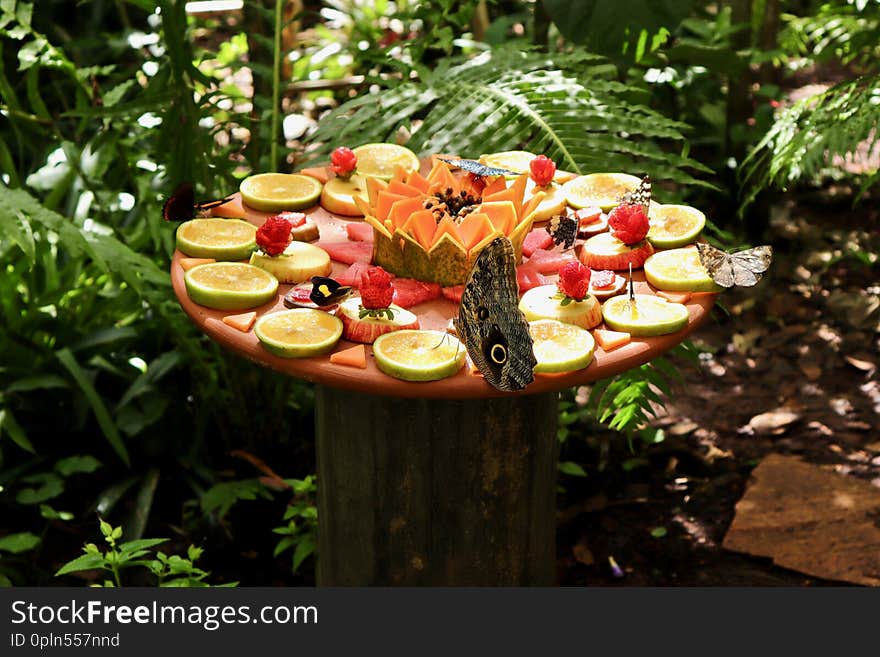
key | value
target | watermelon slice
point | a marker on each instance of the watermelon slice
(359, 232)
(538, 238)
(549, 262)
(454, 293)
(408, 292)
(352, 275)
(349, 252)
(528, 277)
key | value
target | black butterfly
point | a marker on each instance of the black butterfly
(563, 228)
(641, 195)
(743, 268)
(489, 322)
(327, 291)
(478, 168)
(182, 206)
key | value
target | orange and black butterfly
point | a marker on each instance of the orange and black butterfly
(182, 206)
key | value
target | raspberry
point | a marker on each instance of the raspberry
(542, 170)
(602, 279)
(343, 161)
(628, 223)
(376, 290)
(574, 280)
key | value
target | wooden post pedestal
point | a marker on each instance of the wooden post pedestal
(436, 492)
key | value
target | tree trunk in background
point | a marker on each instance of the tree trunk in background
(259, 57)
(768, 40)
(542, 23)
(739, 101)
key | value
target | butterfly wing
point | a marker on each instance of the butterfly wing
(717, 264)
(327, 291)
(181, 205)
(563, 228)
(749, 265)
(478, 168)
(641, 196)
(490, 324)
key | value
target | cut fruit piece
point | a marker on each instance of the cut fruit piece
(604, 251)
(679, 270)
(219, 239)
(355, 356)
(617, 286)
(538, 238)
(188, 263)
(609, 340)
(308, 232)
(338, 196)
(299, 262)
(409, 292)
(591, 221)
(298, 333)
(419, 355)
(352, 275)
(550, 262)
(230, 285)
(232, 209)
(675, 297)
(380, 160)
(243, 322)
(647, 315)
(359, 232)
(277, 192)
(560, 347)
(674, 225)
(366, 330)
(348, 252)
(321, 174)
(545, 302)
(527, 277)
(453, 293)
(602, 190)
(552, 203)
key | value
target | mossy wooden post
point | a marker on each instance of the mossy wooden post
(436, 492)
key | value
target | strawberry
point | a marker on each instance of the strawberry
(542, 170)
(274, 235)
(628, 223)
(574, 280)
(343, 161)
(376, 290)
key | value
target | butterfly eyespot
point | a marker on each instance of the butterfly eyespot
(498, 354)
(483, 314)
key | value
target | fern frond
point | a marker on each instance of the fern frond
(562, 105)
(807, 137)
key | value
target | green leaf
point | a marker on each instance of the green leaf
(75, 464)
(658, 532)
(102, 415)
(83, 562)
(18, 543)
(49, 485)
(572, 468)
(304, 548)
(37, 382)
(11, 428)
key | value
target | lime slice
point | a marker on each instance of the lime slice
(298, 333)
(647, 315)
(560, 347)
(418, 355)
(277, 192)
(380, 160)
(299, 262)
(679, 270)
(220, 239)
(674, 225)
(230, 285)
(545, 302)
(338, 195)
(602, 190)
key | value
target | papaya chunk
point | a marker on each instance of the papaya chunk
(421, 226)
(418, 181)
(385, 201)
(243, 322)
(374, 186)
(675, 297)
(448, 227)
(514, 194)
(609, 340)
(502, 215)
(352, 357)
(497, 184)
(398, 187)
(231, 210)
(322, 174)
(474, 228)
(402, 209)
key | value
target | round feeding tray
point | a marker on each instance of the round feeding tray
(449, 482)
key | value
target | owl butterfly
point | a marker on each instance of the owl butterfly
(641, 195)
(181, 205)
(478, 168)
(563, 228)
(490, 324)
(743, 268)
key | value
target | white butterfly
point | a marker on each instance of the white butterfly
(743, 268)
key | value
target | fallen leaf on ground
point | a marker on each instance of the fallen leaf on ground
(773, 421)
